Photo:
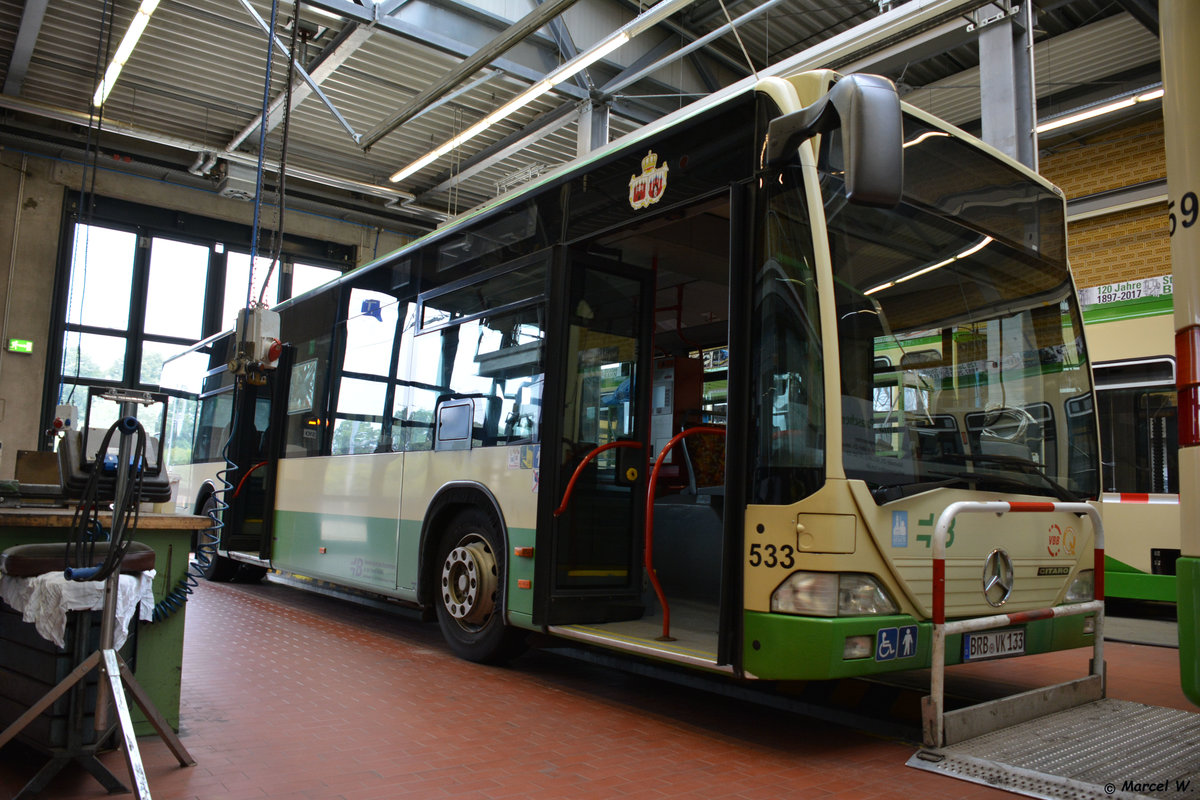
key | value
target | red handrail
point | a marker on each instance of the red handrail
(648, 560)
(562, 507)
(242, 482)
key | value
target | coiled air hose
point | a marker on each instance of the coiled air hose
(208, 538)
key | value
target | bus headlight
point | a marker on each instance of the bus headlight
(861, 595)
(830, 594)
(1083, 588)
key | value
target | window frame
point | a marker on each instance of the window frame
(148, 223)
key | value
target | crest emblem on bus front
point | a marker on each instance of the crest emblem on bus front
(649, 187)
(997, 578)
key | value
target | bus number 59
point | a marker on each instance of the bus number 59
(1189, 206)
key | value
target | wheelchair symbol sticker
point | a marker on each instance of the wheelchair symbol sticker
(893, 643)
(885, 644)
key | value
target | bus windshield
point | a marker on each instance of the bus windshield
(962, 357)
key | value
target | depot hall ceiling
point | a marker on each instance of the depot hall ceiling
(377, 86)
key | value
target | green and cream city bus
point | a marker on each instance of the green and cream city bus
(700, 396)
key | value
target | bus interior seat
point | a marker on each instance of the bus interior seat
(689, 523)
(704, 455)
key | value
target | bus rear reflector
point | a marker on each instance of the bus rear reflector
(1187, 364)
(1189, 416)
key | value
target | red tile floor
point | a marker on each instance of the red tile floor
(294, 696)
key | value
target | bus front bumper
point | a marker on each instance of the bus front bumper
(786, 647)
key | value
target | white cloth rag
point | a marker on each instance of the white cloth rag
(45, 600)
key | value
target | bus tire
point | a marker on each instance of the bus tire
(219, 569)
(249, 573)
(213, 566)
(470, 588)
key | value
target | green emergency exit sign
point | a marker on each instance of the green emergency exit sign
(20, 345)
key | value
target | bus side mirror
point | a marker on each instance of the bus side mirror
(868, 110)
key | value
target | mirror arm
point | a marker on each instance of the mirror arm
(867, 108)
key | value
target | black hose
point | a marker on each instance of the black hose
(88, 532)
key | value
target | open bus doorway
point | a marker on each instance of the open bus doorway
(644, 389)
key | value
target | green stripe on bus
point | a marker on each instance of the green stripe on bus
(1129, 309)
(786, 647)
(378, 553)
(1188, 568)
(1122, 580)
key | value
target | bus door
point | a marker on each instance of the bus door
(253, 451)
(593, 457)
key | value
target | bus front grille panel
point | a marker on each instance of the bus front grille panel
(964, 586)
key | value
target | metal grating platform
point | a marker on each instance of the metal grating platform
(1105, 749)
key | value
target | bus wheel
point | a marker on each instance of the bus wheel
(249, 573)
(219, 569)
(470, 587)
(213, 566)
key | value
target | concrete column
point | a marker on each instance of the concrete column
(30, 213)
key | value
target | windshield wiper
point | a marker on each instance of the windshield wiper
(886, 493)
(1029, 467)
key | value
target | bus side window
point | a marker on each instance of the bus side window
(494, 362)
(307, 327)
(494, 359)
(418, 388)
(212, 430)
(369, 334)
(305, 430)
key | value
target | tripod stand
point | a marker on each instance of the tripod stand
(115, 675)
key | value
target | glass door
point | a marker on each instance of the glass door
(594, 470)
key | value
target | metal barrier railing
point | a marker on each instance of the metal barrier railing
(1008, 711)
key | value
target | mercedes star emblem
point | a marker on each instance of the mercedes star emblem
(997, 578)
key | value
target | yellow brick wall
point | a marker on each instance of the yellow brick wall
(1127, 245)
(1113, 160)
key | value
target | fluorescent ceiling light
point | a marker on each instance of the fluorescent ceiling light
(1099, 111)
(525, 97)
(585, 60)
(580, 62)
(140, 20)
(512, 106)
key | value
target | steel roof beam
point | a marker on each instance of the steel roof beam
(731, 64)
(629, 76)
(474, 34)
(22, 52)
(349, 39)
(481, 58)
(851, 45)
(704, 12)
(894, 26)
(1144, 11)
(567, 49)
(114, 127)
(262, 23)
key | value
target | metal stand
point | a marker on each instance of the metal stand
(113, 670)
